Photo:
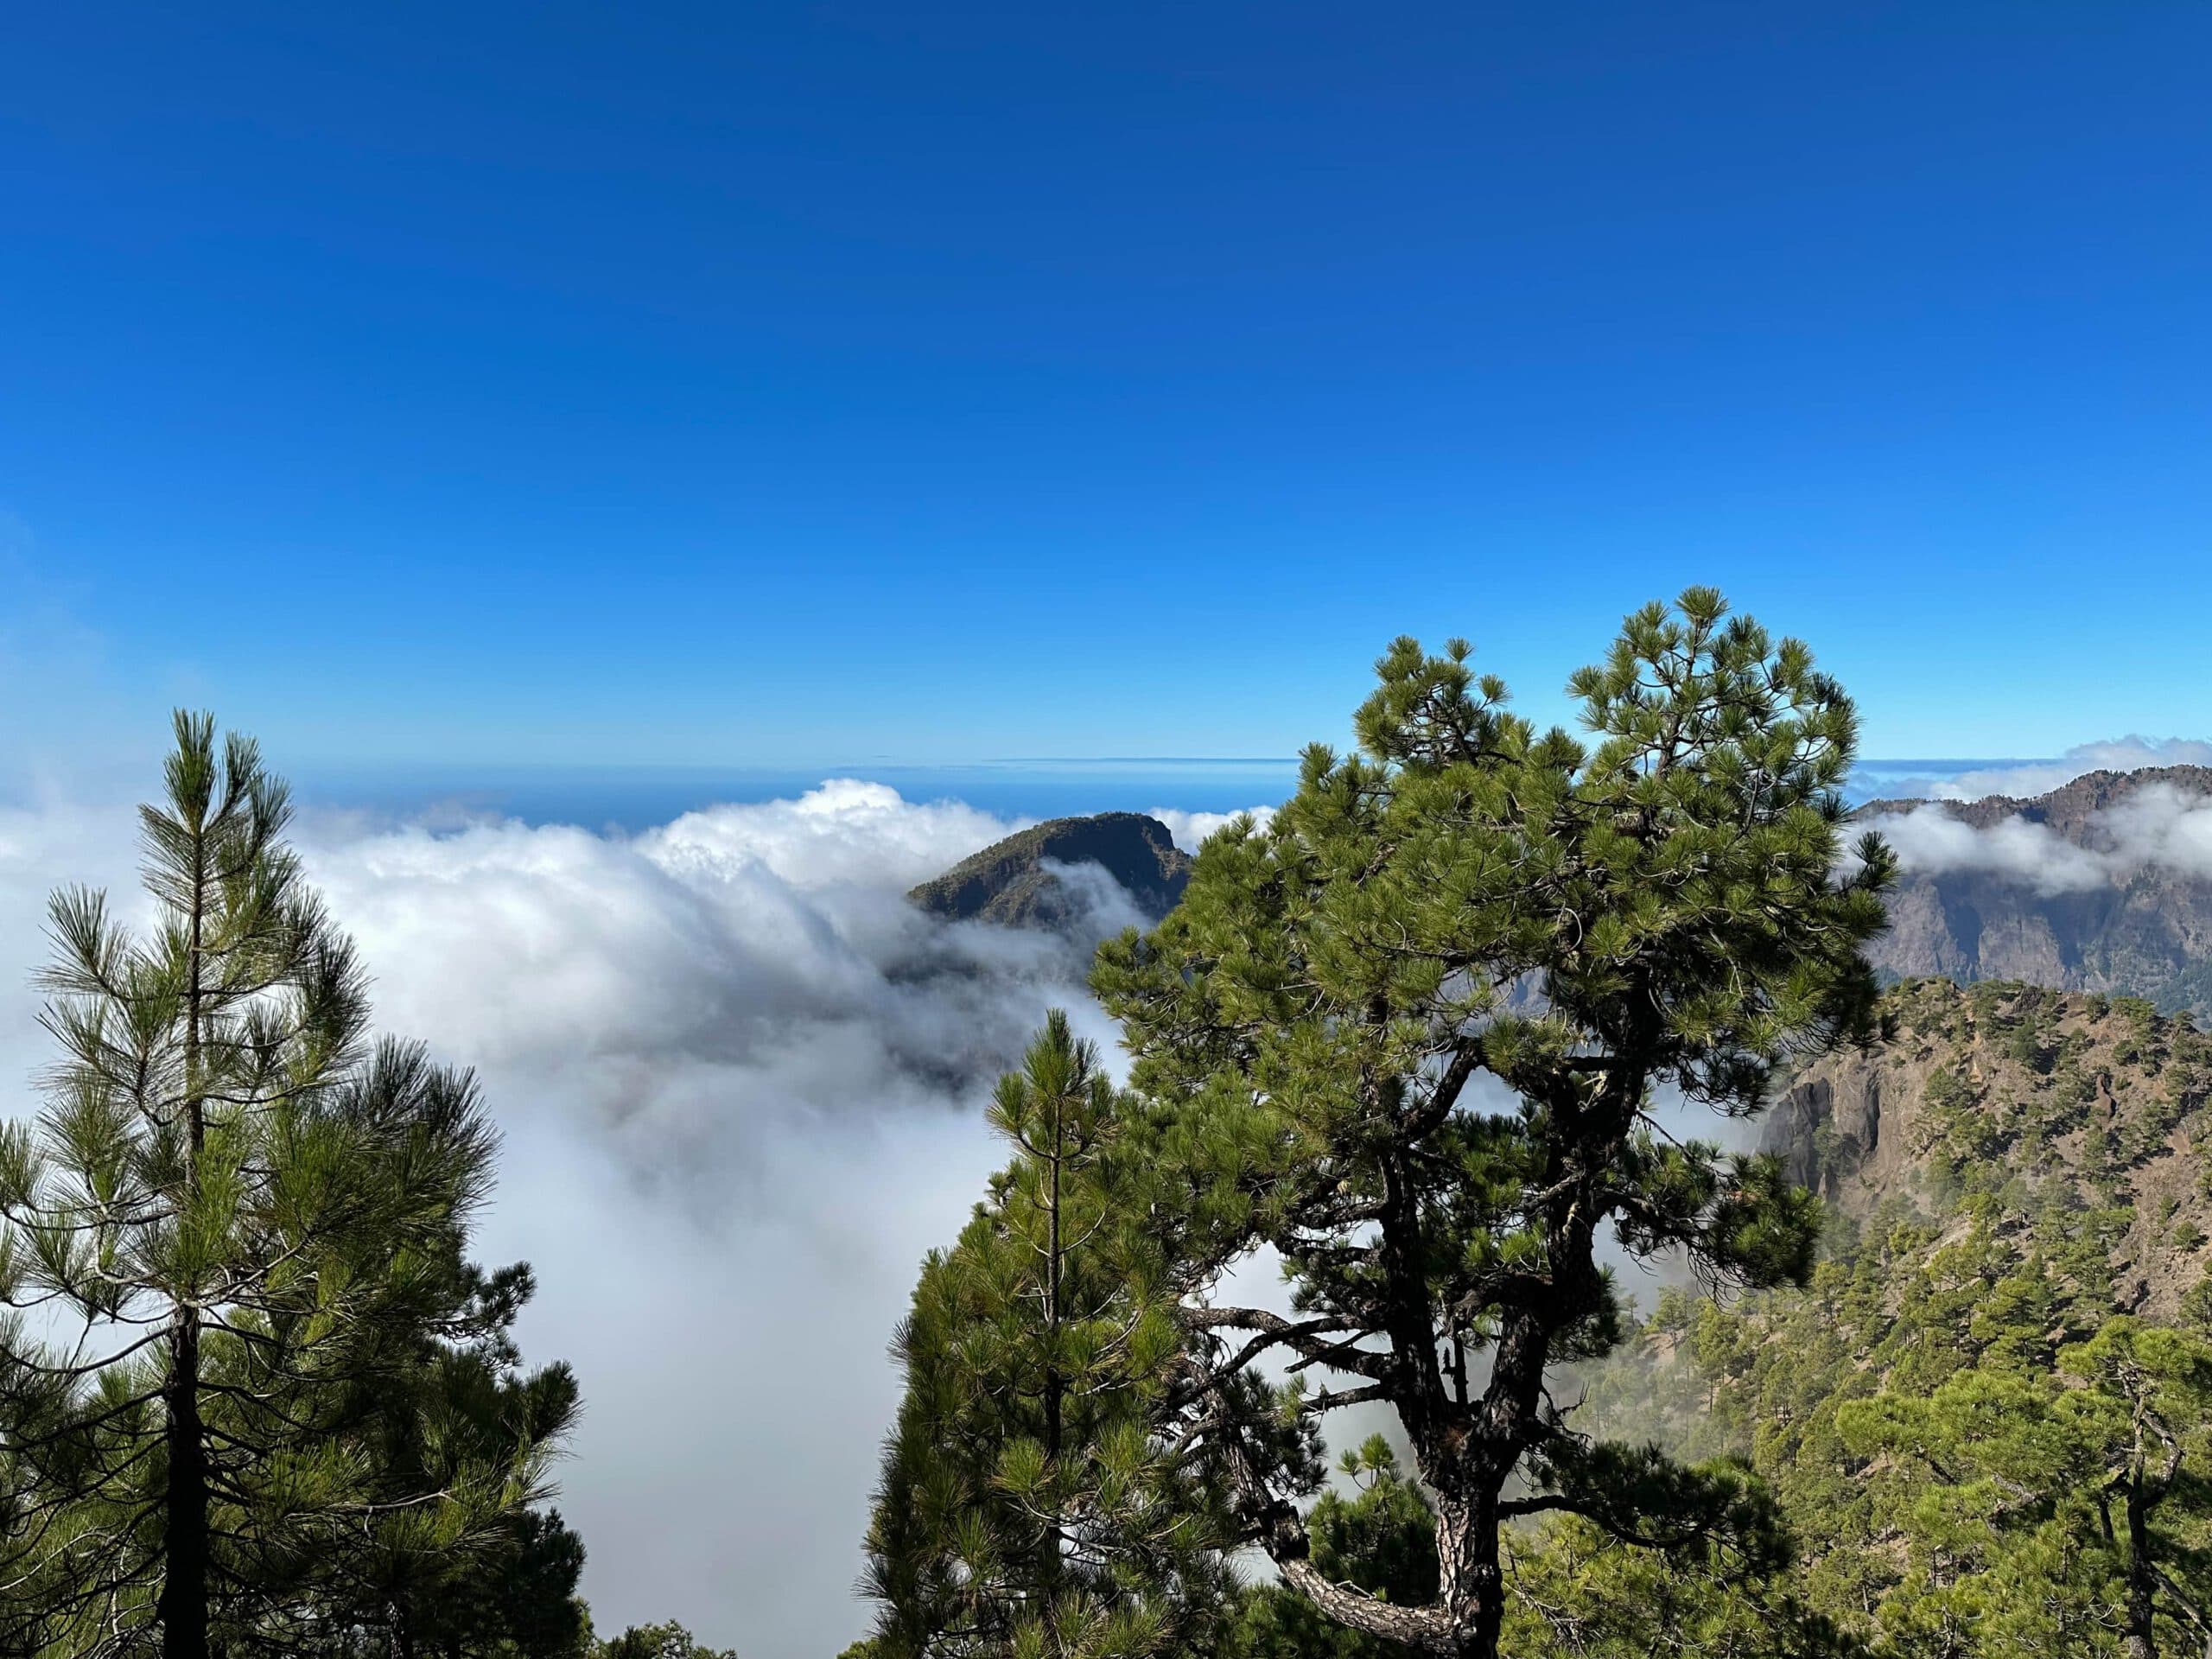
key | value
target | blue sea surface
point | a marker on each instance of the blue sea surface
(632, 798)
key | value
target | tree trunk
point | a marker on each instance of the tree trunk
(1472, 1590)
(182, 1605)
(2142, 1641)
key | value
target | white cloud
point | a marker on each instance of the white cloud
(2161, 827)
(1928, 840)
(2032, 777)
(2158, 828)
(740, 1081)
(1190, 830)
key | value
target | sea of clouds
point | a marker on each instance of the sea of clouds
(740, 1082)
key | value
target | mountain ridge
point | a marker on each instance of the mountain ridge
(1009, 883)
(2146, 929)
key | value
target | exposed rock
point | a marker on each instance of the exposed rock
(1011, 883)
(2146, 932)
(2091, 1102)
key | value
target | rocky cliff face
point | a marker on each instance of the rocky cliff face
(1014, 883)
(2118, 923)
(2095, 1103)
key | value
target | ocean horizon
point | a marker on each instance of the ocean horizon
(632, 798)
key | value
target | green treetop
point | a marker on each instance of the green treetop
(1583, 925)
(233, 1239)
(1028, 1507)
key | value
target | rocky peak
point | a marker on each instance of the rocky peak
(1010, 882)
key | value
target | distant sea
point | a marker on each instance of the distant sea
(637, 797)
(632, 798)
(1908, 779)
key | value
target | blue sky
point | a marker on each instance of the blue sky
(779, 385)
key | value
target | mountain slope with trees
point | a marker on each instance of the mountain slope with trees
(2098, 1103)
(1987, 1419)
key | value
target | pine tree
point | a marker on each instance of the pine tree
(464, 1409)
(2050, 1509)
(657, 1642)
(1580, 926)
(1027, 1507)
(228, 1237)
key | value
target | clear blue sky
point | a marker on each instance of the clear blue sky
(764, 383)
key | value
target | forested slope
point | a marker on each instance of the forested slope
(1986, 1419)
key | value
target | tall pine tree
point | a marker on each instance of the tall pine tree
(1666, 908)
(228, 1237)
(1028, 1509)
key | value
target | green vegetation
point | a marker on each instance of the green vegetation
(1308, 1030)
(1416, 1044)
(254, 1397)
(657, 1642)
(1027, 1507)
(1977, 1451)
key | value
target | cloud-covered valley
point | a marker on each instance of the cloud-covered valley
(740, 1082)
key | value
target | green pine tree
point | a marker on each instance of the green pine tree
(1580, 926)
(230, 1238)
(463, 1407)
(1027, 1509)
(2043, 1505)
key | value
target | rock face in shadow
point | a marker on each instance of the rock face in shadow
(1014, 884)
(2146, 932)
(2091, 1109)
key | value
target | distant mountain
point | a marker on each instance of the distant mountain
(1009, 882)
(2046, 1101)
(2146, 929)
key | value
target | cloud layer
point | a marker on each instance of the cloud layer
(740, 1081)
(1190, 830)
(2156, 829)
(742, 967)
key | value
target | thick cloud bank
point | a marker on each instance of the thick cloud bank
(740, 1081)
(743, 970)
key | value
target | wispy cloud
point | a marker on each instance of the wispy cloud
(1190, 830)
(2020, 779)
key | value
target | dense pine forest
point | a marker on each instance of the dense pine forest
(1523, 1222)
